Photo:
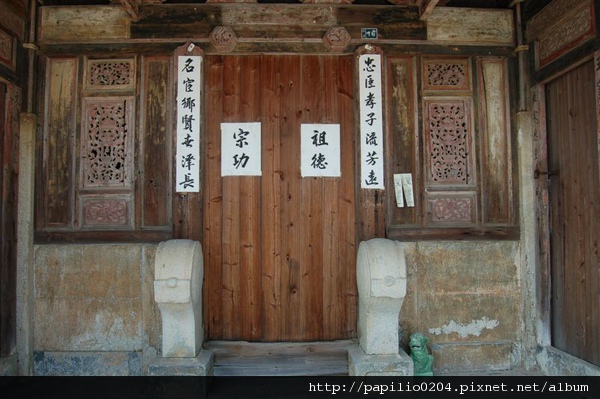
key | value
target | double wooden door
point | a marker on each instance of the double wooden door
(574, 189)
(279, 249)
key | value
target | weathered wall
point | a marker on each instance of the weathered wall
(94, 309)
(465, 296)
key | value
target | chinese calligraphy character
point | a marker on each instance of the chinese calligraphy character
(371, 179)
(371, 118)
(371, 158)
(319, 138)
(319, 161)
(187, 122)
(370, 100)
(187, 161)
(369, 82)
(369, 65)
(189, 103)
(240, 160)
(187, 181)
(371, 138)
(187, 141)
(188, 67)
(188, 85)
(241, 138)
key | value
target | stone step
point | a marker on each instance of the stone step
(241, 358)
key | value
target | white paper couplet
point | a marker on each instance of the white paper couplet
(371, 122)
(241, 149)
(189, 77)
(320, 150)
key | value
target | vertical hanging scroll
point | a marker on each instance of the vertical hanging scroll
(371, 121)
(189, 79)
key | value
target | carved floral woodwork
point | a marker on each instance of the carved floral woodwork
(106, 143)
(223, 38)
(451, 209)
(448, 142)
(110, 74)
(336, 39)
(105, 211)
(446, 75)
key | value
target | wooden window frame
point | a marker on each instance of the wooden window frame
(492, 175)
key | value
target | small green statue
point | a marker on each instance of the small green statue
(420, 356)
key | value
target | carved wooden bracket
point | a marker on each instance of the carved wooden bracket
(133, 8)
(223, 38)
(336, 39)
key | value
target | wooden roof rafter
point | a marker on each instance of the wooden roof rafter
(426, 7)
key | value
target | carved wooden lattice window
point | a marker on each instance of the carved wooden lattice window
(460, 155)
(106, 170)
(107, 133)
(448, 135)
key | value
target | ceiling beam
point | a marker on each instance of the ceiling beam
(426, 7)
(132, 7)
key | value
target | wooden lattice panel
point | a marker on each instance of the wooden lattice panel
(448, 137)
(442, 74)
(451, 208)
(106, 144)
(110, 74)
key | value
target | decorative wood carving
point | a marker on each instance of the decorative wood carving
(446, 75)
(110, 74)
(550, 16)
(106, 143)
(564, 37)
(451, 209)
(105, 212)
(448, 142)
(133, 8)
(223, 38)
(7, 49)
(336, 39)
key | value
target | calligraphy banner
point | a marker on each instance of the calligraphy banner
(241, 149)
(188, 123)
(320, 150)
(371, 122)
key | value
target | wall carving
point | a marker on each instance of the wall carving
(106, 143)
(446, 75)
(7, 49)
(106, 74)
(451, 210)
(223, 38)
(102, 212)
(448, 142)
(572, 32)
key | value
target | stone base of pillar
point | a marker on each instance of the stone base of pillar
(360, 364)
(200, 366)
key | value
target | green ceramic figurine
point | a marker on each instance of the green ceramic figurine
(419, 353)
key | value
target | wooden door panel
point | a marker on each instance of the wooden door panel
(279, 249)
(575, 211)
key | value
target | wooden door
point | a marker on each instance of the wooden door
(279, 249)
(574, 189)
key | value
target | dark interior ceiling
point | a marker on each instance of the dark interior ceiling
(449, 3)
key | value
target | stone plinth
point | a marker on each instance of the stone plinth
(361, 364)
(178, 273)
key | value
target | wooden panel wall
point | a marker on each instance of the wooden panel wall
(279, 249)
(104, 170)
(9, 157)
(575, 211)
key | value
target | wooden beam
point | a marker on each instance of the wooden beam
(133, 9)
(426, 8)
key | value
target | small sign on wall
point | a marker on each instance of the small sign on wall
(188, 123)
(241, 149)
(320, 150)
(371, 122)
(369, 33)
